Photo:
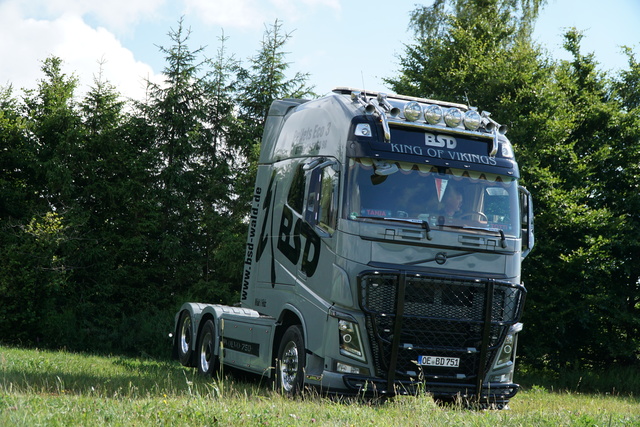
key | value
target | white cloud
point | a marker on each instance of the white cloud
(116, 15)
(80, 46)
(227, 13)
(293, 4)
(254, 13)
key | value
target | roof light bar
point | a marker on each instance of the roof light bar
(424, 111)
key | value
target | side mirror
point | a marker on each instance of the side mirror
(526, 221)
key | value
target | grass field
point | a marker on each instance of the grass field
(60, 388)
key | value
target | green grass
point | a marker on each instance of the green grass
(619, 380)
(61, 388)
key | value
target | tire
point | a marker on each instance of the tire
(206, 360)
(184, 338)
(290, 362)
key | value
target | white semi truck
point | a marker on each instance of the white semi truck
(383, 253)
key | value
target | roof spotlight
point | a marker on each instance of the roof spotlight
(412, 111)
(452, 117)
(433, 114)
(472, 120)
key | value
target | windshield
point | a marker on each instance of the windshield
(444, 197)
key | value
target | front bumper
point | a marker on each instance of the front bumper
(493, 393)
(345, 384)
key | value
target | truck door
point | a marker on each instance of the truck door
(309, 215)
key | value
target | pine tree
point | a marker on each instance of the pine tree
(575, 134)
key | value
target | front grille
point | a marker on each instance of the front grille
(440, 316)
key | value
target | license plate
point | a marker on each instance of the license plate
(446, 362)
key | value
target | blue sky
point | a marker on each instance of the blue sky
(339, 42)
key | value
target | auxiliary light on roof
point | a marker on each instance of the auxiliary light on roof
(412, 111)
(433, 114)
(420, 112)
(453, 117)
(472, 120)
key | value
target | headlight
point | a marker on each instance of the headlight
(350, 343)
(452, 117)
(507, 352)
(412, 111)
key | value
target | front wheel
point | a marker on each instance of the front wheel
(290, 362)
(206, 360)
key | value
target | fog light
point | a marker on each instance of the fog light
(499, 379)
(347, 369)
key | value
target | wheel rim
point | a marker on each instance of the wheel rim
(185, 335)
(206, 353)
(289, 366)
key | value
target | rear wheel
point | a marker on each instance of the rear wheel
(206, 360)
(185, 335)
(291, 361)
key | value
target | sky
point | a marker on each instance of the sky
(338, 42)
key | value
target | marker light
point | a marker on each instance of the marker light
(472, 120)
(412, 111)
(507, 150)
(452, 117)
(433, 114)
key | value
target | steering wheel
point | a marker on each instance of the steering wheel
(481, 215)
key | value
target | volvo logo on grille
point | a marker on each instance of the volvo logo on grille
(441, 258)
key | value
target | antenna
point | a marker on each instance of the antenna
(364, 88)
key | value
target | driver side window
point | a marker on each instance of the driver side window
(322, 197)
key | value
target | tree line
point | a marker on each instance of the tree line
(113, 213)
(576, 132)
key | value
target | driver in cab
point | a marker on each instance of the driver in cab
(451, 203)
